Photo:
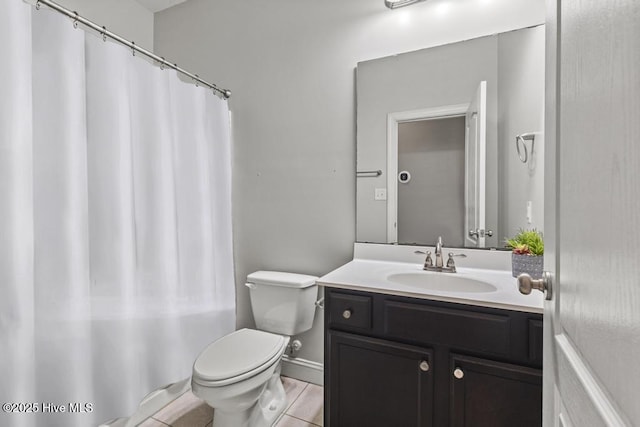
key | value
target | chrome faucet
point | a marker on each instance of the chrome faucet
(439, 266)
(439, 263)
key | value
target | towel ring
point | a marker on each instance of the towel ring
(523, 154)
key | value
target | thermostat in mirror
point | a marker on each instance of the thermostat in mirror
(404, 177)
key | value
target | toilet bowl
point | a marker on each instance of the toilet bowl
(239, 374)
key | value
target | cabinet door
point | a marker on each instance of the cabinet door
(378, 383)
(494, 394)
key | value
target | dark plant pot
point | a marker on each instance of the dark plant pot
(530, 264)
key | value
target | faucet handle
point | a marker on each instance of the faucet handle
(451, 255)
(428, 262)
(451, 263)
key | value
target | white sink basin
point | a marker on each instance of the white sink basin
(483, 278)
(442, 282)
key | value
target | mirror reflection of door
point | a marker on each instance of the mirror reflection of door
(431, 204)
(446, 160)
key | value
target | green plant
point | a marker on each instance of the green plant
(526, 242)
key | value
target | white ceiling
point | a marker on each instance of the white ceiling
(158, 5)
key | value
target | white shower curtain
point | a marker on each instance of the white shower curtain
(116, 261)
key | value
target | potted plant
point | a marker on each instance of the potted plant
(527, 249)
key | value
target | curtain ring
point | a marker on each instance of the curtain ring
(75, 21)
(38, 5)
(196, 80)
(133, 48)
(162, 63)
(104, 33)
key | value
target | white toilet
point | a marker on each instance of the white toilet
(239, 374)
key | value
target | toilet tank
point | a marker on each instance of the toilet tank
(282, 303)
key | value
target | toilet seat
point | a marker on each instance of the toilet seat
(237, 356)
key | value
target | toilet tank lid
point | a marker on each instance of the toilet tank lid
(278, 278)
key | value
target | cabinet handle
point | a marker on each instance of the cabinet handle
(458, 373)
(424, 366)
(347, 313)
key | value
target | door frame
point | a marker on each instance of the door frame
(393, 120)
(476, 185)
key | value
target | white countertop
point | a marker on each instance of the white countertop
(368, 272)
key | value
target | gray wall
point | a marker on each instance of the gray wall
(428, 78)
(291, 65)
(520, 110)
(127, 18)
(431, 204)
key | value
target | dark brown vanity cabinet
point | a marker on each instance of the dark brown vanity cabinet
(396, 361)
(486, 393)
(406, 389)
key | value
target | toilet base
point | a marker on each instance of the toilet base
(264, 413)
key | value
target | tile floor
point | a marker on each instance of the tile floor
(304, 409)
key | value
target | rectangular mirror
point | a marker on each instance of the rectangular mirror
(450, 142)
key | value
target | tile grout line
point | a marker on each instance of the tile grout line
(211, 420)
(300, 396)
(303, 420)
(297, 397)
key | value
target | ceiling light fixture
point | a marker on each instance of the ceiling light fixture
(394, 4)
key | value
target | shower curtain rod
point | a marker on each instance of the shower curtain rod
(226, 93)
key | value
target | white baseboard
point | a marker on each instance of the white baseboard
(303, 370)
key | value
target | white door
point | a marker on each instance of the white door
(592, 219)
(475, 173)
